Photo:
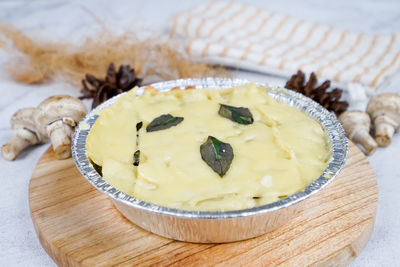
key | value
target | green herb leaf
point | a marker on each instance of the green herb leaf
(139, 126)
(97, 168)
(163, 122)
(237, 114)
(136, 158)
(218, 155)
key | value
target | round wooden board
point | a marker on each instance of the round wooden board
(79, 226)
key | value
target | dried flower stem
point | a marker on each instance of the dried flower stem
(39, 61)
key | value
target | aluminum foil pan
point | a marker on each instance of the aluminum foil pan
(216, 227)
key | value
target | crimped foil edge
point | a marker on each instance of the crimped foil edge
(337, 140)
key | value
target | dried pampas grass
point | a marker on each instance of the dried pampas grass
(35, 61)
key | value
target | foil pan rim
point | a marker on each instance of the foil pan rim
(337, 139)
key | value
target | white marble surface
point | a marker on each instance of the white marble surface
(70, 20)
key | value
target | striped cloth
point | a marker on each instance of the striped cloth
(246, 37)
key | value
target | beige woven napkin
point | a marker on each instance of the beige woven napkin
(246, 37)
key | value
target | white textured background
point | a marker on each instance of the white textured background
(71, 20)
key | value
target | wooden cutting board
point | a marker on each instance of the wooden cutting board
(79, 226)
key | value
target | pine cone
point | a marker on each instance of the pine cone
(329, 100)
(113, 84)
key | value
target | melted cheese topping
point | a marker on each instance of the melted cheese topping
(280, 154)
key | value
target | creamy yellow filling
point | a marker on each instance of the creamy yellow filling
(279, 154)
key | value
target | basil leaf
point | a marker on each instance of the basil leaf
(237, 114)
(136, 158)
(163, 122)
(98, 168)
(139, 126)
(218, 155)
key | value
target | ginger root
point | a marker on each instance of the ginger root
(357, 125)
(57, 116)
(384, 110)
(54, 118)
(25, 133)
